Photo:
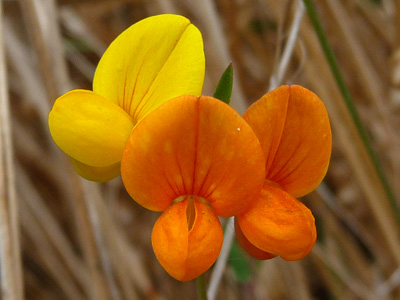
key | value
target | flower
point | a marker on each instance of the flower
(154, 60)
(194, 158)
(293, 127)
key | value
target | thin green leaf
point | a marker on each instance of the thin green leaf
(223, 91)
(337, 74)
(239, 264)
(201, 287)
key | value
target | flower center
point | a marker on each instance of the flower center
(190, 207)
(190, 212)
(269, 182)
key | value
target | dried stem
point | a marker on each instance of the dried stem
(33, 26)
(350, 106)
(276, 78)
(219, 267)
(10, 259)
(92, 197)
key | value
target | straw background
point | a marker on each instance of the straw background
(62, 237)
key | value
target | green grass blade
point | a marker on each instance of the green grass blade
(331, 59)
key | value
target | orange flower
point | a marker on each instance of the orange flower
(194, 159)
(293, 128)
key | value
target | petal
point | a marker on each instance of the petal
(99, 174)
(156, 59)
(193, 146)
(89, 128)
(185, 248)
(293, 127)
(249, 247)
(279, 224)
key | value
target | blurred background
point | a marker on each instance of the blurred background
(62, 237)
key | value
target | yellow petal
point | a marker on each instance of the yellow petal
(89, 128)
(293, 127)
(187, 239)
(99, 174)
(279, 224)
(193, 146)
(156, 59)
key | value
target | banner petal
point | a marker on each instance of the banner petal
(193, 146)
(293, 127)
(154, 60)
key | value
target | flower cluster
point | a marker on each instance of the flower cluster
(154, 60)
(193, 157)
(293, 128)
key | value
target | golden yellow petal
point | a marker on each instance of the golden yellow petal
(99, 174)
(89, 128)
(154, 60)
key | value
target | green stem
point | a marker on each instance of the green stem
(330, 57)
(201, 287)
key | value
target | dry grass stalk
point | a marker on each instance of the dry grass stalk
(334, 265)
(277, 78)
(374, 88)
(216, 47)
(47, 224)
(31, 17)
(346, 134)
(10, 259)
(45, 254)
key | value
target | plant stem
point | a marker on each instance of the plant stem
(11, 282)
(277, 78)
(219, 266)
(331, 59)
(201, 287)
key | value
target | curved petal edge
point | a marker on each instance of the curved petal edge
(279, 224)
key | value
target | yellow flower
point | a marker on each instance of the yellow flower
(153, 61)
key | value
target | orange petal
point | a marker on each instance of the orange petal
(187, 239)
(249, 247)
(293, 127)
(278, 223)
(193, 146)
